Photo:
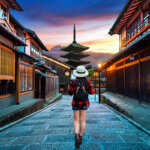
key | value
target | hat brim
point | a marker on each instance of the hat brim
(80, 74)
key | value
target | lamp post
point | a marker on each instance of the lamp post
(95, 84)
(99, 71)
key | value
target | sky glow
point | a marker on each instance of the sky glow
(53, 21)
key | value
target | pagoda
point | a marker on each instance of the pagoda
(75, 53)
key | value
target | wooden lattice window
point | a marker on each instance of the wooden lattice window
(35, 50)
(26, 78)
(7, 64)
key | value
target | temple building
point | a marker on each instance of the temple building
(128, 72)
(75, 53)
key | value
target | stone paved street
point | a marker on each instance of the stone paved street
(53, 129)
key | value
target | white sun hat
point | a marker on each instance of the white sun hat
(80, 71)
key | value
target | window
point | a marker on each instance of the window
(26, 78)
(146, 18)
(32, 47)
(7, 64)
(35, 50)
(7, 71)
(4, 10)
(134, 28)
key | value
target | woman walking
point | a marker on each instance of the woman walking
(80, 88)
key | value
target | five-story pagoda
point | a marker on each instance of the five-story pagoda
(75, 53)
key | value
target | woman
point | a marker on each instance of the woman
(80, 88)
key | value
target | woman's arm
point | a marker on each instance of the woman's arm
(71, 88)
(90, 89)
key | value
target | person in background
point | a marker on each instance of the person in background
(80, 88)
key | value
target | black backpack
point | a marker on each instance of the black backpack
(81, 92)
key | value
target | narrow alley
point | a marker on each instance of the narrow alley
(52, 129)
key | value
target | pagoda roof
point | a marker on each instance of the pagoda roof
(74, 62)
(75, 47)
(75, 55)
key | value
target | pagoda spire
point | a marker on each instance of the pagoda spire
(74, 34)
(75, 52)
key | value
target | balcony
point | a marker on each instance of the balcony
(135, 32)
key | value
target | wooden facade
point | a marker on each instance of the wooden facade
(9, 57)
(63, 71)
(128, 72)
(20, 51)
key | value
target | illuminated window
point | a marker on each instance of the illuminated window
(7, 71)
(7, 64)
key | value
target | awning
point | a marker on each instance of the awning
(38, 65)
(23, 55)
(42, 74)
(8, 34)
(30, 58)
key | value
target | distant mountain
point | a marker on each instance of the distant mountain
(94, 57)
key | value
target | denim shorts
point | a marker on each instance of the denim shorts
(82, 108)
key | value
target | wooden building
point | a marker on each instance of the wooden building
(63, 71)
(128, 72)
(9, 56)
(23, 73)
(46, 79)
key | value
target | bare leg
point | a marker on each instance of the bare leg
(76, 121)
(83, 121)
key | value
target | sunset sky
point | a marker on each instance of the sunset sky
(53, 21)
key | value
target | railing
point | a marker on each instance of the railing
(133, 31)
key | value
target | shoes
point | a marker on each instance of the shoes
(77, 141)
(80, 137)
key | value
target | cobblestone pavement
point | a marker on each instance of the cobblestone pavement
(53, 129)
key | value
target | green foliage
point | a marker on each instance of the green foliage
(91, 72)
(88, 67)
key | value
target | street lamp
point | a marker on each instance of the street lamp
(95, 83)
(99, 71)
(99, 66)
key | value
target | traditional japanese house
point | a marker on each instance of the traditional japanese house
(9, 56)
(63, 71)
(75, 53)
(128, 72)
(46, 79)
(21, 66)
(26, 65)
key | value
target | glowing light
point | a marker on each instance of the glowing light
(99, 65)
